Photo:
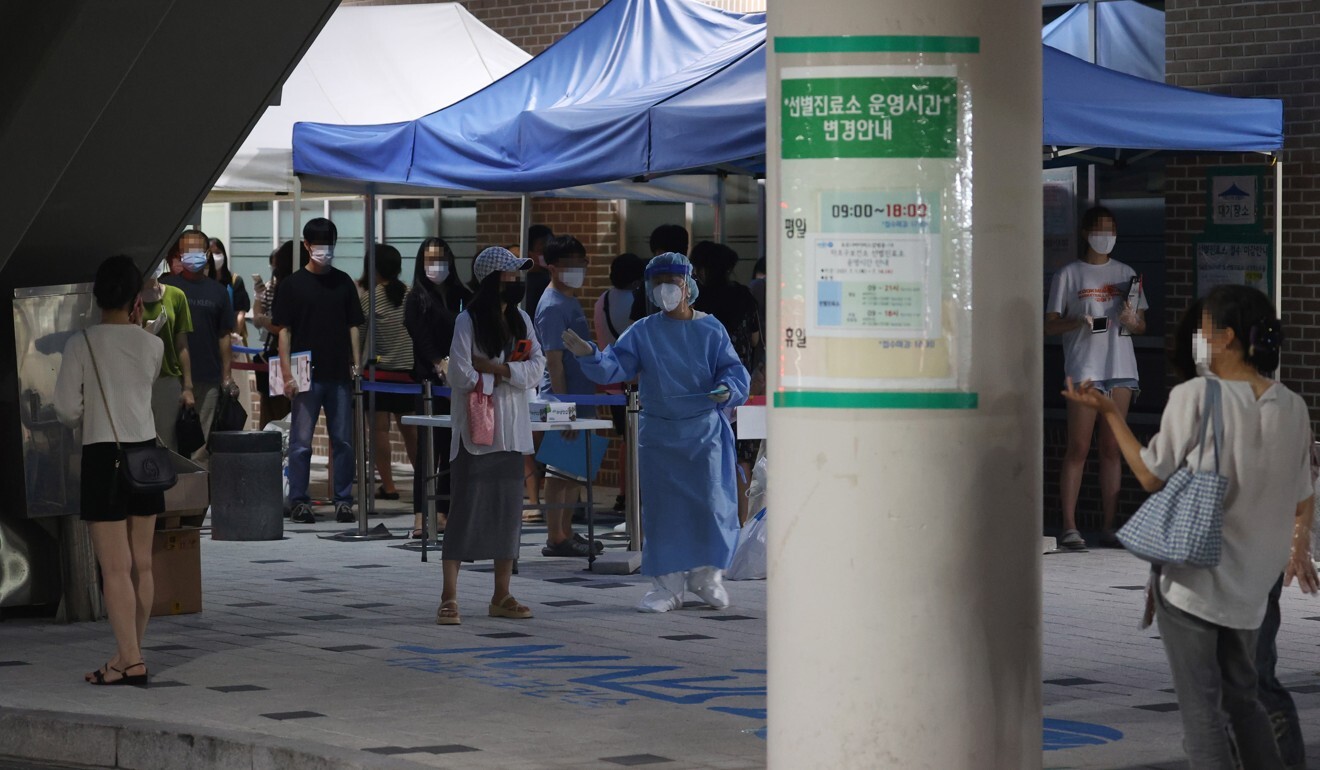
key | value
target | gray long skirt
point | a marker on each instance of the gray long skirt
(485, 514)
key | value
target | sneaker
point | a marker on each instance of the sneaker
(344, 513)
(578, 537)
(302, 514)
(566, 548)
(1072, 541)
(1109, 539)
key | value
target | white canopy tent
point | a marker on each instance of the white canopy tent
(370, 64)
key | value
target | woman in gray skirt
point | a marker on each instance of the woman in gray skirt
(494, 361)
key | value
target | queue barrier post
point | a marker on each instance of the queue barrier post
(633, 497)
(361, 433)
(430, 521)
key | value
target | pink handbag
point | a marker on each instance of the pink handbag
(481, 416)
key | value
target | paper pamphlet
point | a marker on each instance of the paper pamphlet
(301, 363)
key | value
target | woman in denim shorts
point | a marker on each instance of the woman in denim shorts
(1088, 307)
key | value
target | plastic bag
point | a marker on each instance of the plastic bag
(749, 558)
(756, 490)
(188, 436)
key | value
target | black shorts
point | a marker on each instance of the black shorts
(103, 495)
(393, 403)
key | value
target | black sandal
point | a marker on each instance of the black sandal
(381, 494)
(135, 680)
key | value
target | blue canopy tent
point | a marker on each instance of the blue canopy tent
(649, 88)
(1129, 37)
(577, 114)
(1109, 115)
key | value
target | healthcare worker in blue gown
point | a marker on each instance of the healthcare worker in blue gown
(690, 379)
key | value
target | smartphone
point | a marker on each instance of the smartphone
(1100, 324)
(256, 279)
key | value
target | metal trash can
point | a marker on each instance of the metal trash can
(247, 493)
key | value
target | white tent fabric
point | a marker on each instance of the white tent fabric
(370, 64)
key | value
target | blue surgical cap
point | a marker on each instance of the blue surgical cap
(671, 263)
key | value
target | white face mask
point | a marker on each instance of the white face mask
(1102, 243)
(219, 260)
(669, 296)
(1201, 353)
(573, 277)
(437, 273)
(323, 255)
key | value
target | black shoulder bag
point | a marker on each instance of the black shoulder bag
(142, 469)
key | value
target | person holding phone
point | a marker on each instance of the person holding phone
(1089, 307)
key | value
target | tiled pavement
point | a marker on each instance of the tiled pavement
(332, 643)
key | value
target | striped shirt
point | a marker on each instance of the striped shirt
(394, 350)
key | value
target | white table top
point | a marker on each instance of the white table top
(444, 421)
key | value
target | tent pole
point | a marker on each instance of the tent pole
(721, 209)
(1278, 235)
(1092, 31)
(296, 233)
(524, 222)
(366, 495)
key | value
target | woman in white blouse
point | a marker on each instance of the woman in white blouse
(1209, 617)
(494, 352)
(104, 384)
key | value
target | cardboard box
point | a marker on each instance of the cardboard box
(176, 566)
(553, 411)
(186, 502)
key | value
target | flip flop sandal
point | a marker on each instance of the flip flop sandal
(447, 615)
(509, 608)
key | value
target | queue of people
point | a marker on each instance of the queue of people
(166, 342)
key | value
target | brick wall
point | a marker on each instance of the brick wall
(1089, 514)
(595, 223)
(1255, 49)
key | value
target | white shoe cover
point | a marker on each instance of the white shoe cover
(666, 595)
(708, 583)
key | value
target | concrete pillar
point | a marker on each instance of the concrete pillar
(905, 509)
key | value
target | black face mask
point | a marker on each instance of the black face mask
(513, 293)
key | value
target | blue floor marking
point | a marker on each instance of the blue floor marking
(1065, 734)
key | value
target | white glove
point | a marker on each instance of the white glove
(156, 324)
(1129, 317)
(576, 345)
(720, 394)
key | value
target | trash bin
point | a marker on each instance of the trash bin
(247, 497)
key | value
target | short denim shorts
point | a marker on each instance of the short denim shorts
(1107, 386)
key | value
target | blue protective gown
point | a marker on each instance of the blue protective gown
(688, 462)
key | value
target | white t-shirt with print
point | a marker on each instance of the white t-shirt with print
(1083, 289)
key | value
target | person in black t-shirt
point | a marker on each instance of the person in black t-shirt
(538, 278)
(209, 341)
(317, 310)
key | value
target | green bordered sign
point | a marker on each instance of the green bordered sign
(870, 117)
(875, 263)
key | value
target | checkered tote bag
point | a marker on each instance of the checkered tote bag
(1183, 523)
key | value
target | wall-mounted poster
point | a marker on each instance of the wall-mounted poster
(1245, 260)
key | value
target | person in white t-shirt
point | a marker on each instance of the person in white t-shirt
(1209, 617)
(114, 412)
(1089, 307)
